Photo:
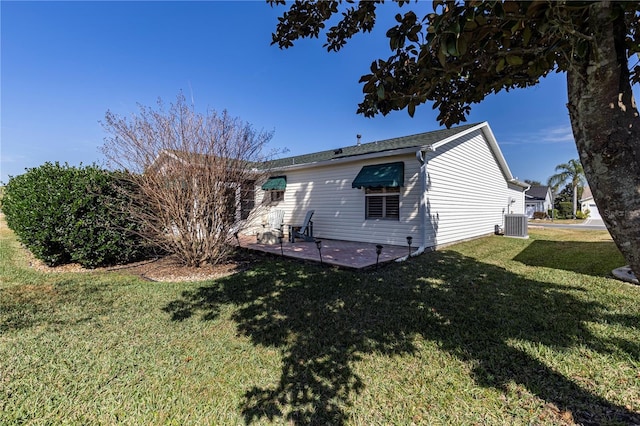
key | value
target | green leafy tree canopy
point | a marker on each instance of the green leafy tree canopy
(462, 53)
(459, 52)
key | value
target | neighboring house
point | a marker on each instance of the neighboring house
(438, 187)
(537, 199)
(588, 203)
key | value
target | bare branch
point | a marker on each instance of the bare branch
(194, 176)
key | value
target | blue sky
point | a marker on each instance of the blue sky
(64, 64)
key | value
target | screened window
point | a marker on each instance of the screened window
(382, 203)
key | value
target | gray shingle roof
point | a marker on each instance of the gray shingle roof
(420, 139)
(537, 192)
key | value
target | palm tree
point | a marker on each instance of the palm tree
(572, 172)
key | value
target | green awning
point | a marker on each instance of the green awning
(275, 183)
(389, 175)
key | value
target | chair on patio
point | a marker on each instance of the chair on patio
(272, 228)
(304, 231)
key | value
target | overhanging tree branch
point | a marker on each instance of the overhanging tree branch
(461, 52)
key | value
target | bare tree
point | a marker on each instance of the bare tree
(194, 176)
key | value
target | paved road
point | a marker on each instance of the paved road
(593, 224)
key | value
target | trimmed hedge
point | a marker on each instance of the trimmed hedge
(66, 214)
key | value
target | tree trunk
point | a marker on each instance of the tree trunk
(606, 128)
(575, 201)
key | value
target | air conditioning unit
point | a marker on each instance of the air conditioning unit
(516, 225)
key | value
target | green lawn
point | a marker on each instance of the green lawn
(493, 331)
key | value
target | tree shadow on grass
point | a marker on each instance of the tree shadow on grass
(323, 321)
(589, 258)
(26, 306)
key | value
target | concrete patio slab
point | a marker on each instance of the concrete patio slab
(345, 254)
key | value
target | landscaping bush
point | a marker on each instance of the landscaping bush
(566, 210)
(66, 214)
(539, 215)
(582, 214)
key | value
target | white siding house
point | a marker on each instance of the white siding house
(450, 185)
(537, 199)
(588, 203)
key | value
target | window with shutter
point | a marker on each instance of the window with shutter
(382, 203)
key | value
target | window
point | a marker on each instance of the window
(382, 203)
(276, 196)
(239, 200)
(275, 187)
(247, 199)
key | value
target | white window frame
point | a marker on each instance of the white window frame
(384, 194)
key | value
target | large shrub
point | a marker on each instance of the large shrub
(566, 210)
(72, 214)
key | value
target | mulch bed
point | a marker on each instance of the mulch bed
(164, 269)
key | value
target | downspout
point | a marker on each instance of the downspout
(422, 209)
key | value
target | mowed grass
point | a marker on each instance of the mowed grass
(492, 331)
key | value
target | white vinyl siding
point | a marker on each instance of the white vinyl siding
(340, 211)
(517, 195)
(467, 195)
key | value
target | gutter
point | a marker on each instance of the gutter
(422, 209)
(422, 212)
(521, 184)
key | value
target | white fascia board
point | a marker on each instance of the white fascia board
(524, 185)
